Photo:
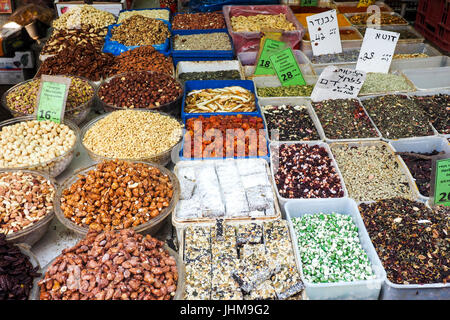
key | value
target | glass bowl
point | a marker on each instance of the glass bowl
(36, 230)
(76, 115)
(179, 293)
(172, 108)
(162, 158)
(150, 227)
(52, 167)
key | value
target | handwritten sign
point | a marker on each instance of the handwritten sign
(286, 68)
(324, 33)
(309, 3)
(442, 182)
(377, 50)
(270, 47)
(52, 97)
(338, 83)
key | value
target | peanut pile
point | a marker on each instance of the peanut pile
(113, 265)
(117, 195)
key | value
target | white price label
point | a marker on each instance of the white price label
(377, 50)
(323, 31)
(338, 83)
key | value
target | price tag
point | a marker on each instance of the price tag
(377, 50)
(365, 3)
(264, 66)
(324, 33)
(286, 68)
(338, 83)
(309, 3)
(52, 97)
(442, 182)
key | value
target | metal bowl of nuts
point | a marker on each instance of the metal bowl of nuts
(44, 146)
(38, 294)
(141, 90)
(138, 135)
(28, 199)
(20, 100)
(139, 195)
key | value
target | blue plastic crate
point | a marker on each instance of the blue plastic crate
(214, 54)
(195, 115)
(117, 48)
(124, 10)
(213, 84)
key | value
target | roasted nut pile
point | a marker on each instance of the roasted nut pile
(410, 239)
(140, 31)
(62, 39)
(23, 98)
(202, 41)
(130, 134)
(144, 58)
(371, 172)
(154, 14)
(437, 108)
(16, 272)
(26, 198)
(249, 132)
(140, 90)
(117, 195)
(30, 143)
(344, 119)
(306, 171)
(261, 22)
(228, 99)
(201, 20)
(81, 60)
(84, 16)
(113, 265)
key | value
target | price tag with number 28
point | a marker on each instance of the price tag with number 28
(286, 68)
(52, 97)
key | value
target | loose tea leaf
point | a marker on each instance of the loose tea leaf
(384, 82)
(437, 108)
(346, 56)
(288, 91)
(210, 75)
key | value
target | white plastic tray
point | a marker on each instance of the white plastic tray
(429, 78)
(362, 289)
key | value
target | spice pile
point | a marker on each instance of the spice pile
(144, 58)
(248, 261)
(232, 188)
(371, 172)
(130, 134)
(287, 91)
(410, 239)
(409, 55)
(397, 116)
(306, 171)
(203, 41)
(23, 99)
(26, 198)
(290, 123)
(16, 272)
(199, 21)
(225, 136)
(63, 38)
(384, 82)
(437, 108)
(140, 90)
(117, 195)
(84, 16)
(140, 31)
(330, 249)
(228, 99)
(385, 19)
(344, 119)
(261, 22)
(113, 265)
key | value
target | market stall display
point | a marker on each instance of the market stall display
(84, 16)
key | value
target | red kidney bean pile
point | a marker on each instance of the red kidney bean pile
(113, 265)
(307, 172)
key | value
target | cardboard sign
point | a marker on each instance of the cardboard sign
(377, 50)
(264, 65)
(309, 3)
(286, 68)
(442, 182)
(52, 97)
(324, 33)
(338, 83)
